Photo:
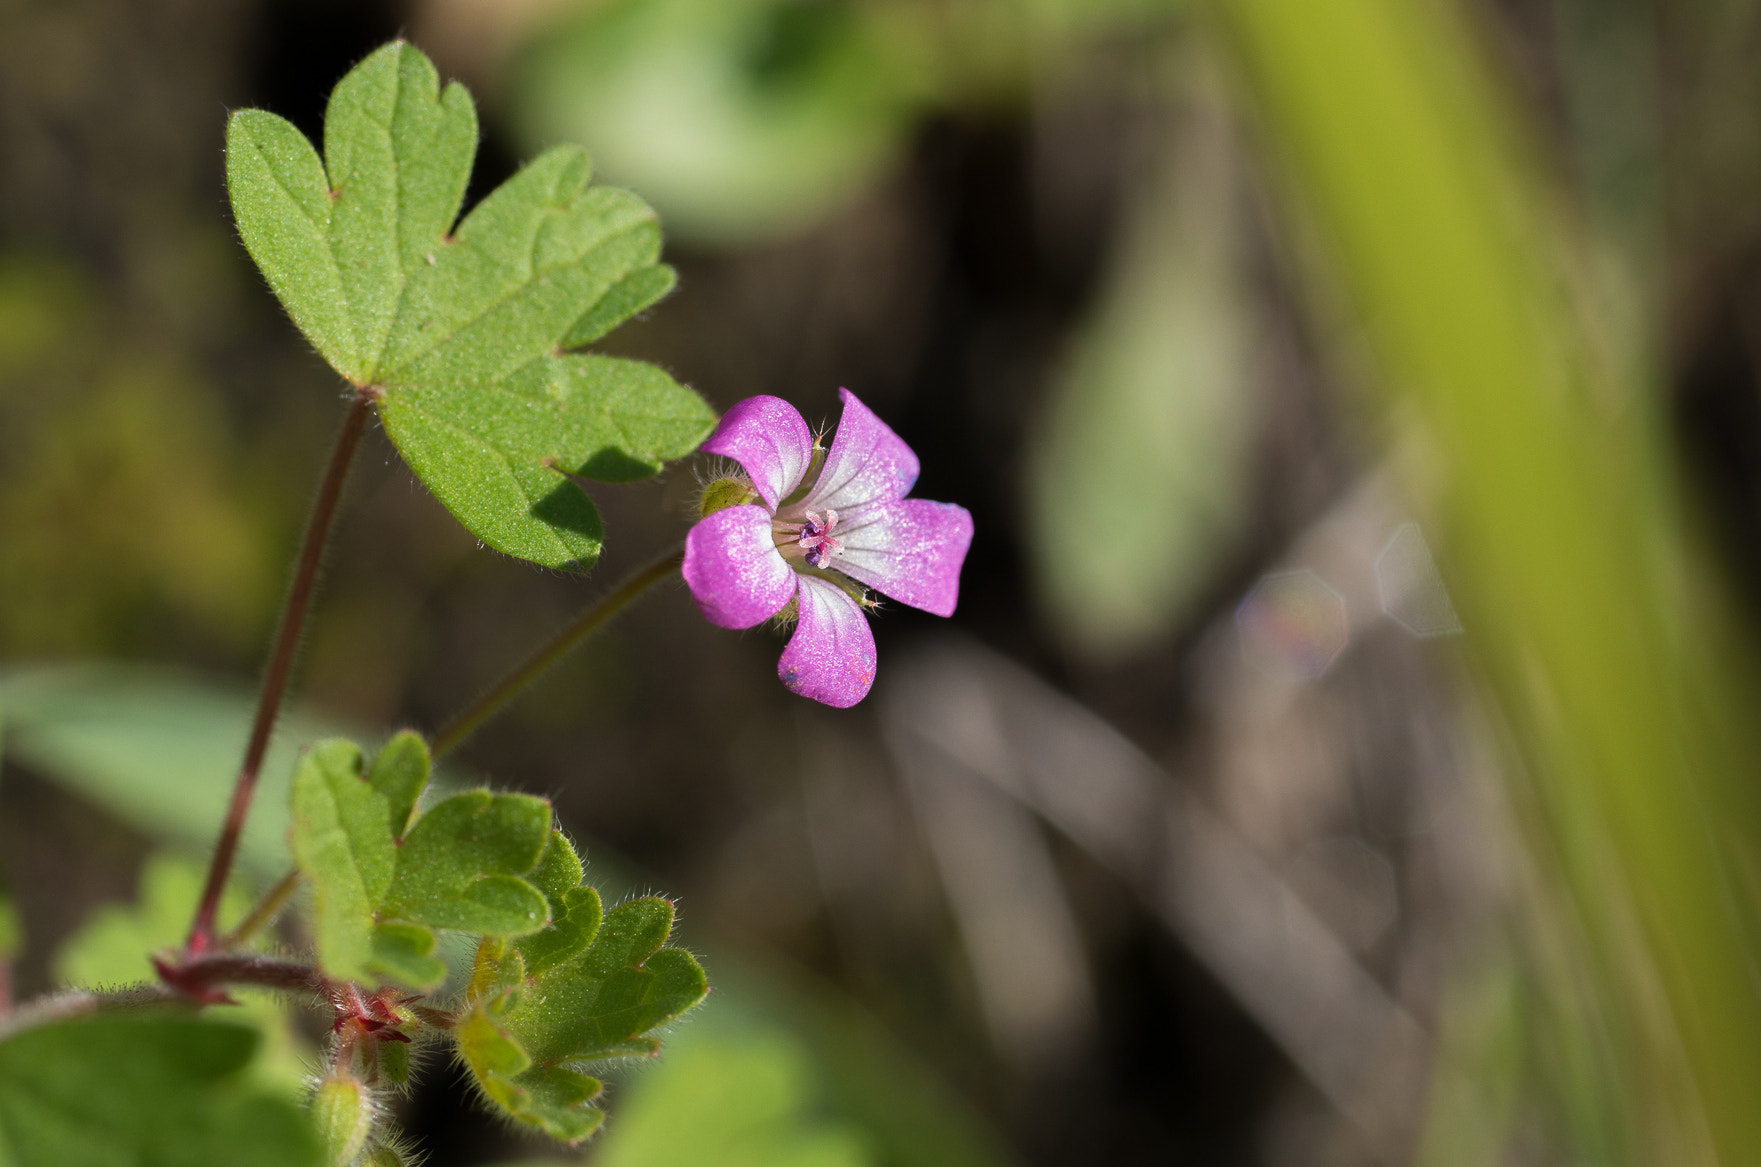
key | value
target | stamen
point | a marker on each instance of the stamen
(815, 538)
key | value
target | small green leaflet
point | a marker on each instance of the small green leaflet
(599, 994)
(381, 890)
(467, 338)
(128, 1089)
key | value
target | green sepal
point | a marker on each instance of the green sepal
(464, 337)
(394, 1062)
(343, 1115)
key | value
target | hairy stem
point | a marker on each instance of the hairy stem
(266, 910)
(280, 666)
(467, 722)
(199, 974)
(197, 981)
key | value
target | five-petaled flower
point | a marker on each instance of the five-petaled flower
(824, 523)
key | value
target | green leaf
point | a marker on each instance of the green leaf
(464, 336)
(405, 953)
(486, 451)
(523, 1035)
(604, 1001)
(400, 772)
(377, 900)
(457, 867)
(342, 843)
(574, 910)
(128, 1090)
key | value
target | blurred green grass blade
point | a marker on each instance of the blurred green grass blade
(1395, 150)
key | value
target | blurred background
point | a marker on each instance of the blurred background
(1342, 751)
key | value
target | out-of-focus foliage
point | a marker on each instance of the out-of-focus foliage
(741, 1101)
(114, 470)
(114, 1091)
(157, 749)
(740, 119)
(115, 945)
(1140, 474)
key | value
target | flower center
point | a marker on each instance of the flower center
(814, 538)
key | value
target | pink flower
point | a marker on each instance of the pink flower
(817, 533)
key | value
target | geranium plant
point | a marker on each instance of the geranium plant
(470, 342)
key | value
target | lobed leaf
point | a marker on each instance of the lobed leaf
(342, 843)
(457, 867)
(400, 772)
(603, 1002)
(524, 1035)
(465, 336)
(378, 898)
(575, 910)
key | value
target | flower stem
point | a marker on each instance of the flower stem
(466, 723)
(266, 910)
(281, 658)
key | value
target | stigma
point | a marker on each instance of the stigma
(814, 538)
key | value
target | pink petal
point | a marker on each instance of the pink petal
(766, 436)
(830, 658)
(868, 462)
(733, 568)
(910, 550)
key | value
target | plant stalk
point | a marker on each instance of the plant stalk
(464, 724)
(280, 666)
(266, 910)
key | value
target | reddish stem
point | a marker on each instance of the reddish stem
(203, 978)
(281, 659)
